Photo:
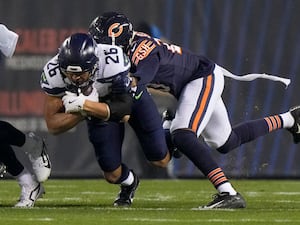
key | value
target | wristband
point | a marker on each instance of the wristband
(108, 112)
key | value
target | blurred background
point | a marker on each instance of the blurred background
(249, 36)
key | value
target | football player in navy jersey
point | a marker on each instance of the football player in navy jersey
(197, 83)
(85, 81)
(33, 145)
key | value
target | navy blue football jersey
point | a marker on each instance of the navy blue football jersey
(154, 61)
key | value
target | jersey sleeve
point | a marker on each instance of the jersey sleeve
(112, 62)
(52, 81)
(145, 60)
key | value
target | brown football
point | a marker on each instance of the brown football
(87, 90)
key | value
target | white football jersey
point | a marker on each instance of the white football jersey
(112, 62)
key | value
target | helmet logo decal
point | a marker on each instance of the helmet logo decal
(115, 30)
(74, 69)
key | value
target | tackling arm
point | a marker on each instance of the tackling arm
(96, 109)
(117, 109)
(114, 109)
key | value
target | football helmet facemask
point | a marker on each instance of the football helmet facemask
(77, 55)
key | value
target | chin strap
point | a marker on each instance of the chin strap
(253, 76)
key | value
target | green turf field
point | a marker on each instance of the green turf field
(157, 202)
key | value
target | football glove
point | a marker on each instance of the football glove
(119, 105)
(121, 84)
(74, 103)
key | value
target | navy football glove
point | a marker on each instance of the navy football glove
(119, 105)
(121, 84)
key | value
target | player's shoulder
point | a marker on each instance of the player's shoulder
(51, 68)
(112, 61)
(52, 72)
(142, 40)
(104, 50)
(143, 45)
(108, 46)
(51, 77)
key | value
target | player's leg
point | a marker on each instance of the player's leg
(192, 116)
(35, 148)
(33, 145)
(31, 189)
(8, 157)
(11, 135)
(147, 124)
(107, 139)
(250, 130)
(167, 117)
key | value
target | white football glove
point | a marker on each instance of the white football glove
(74, 103)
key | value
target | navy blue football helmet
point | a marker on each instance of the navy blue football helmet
(112, 28)
(77, 54)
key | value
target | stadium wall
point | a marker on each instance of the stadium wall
(242, 36)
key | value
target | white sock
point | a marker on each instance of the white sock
(129, 180)
(288, 119)
(227, 188)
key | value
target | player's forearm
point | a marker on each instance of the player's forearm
(62, 122)
(97, 109)
(117, 109)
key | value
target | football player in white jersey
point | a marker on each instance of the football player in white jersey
(33, 145)
(86, 81)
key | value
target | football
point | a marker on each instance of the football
(87, 90)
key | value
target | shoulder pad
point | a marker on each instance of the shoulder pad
(141, 49)
(112, 61)
(52, 81)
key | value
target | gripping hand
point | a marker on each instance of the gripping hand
(121, 84)
(74, 103)
(119, 106)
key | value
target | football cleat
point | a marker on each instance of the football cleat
(225, 201)
(126, 194)
(2, 169)
(29, 194)
(39, 158)
(295, 129)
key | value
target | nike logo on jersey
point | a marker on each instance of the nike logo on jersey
(137, 97)
(70, 102)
